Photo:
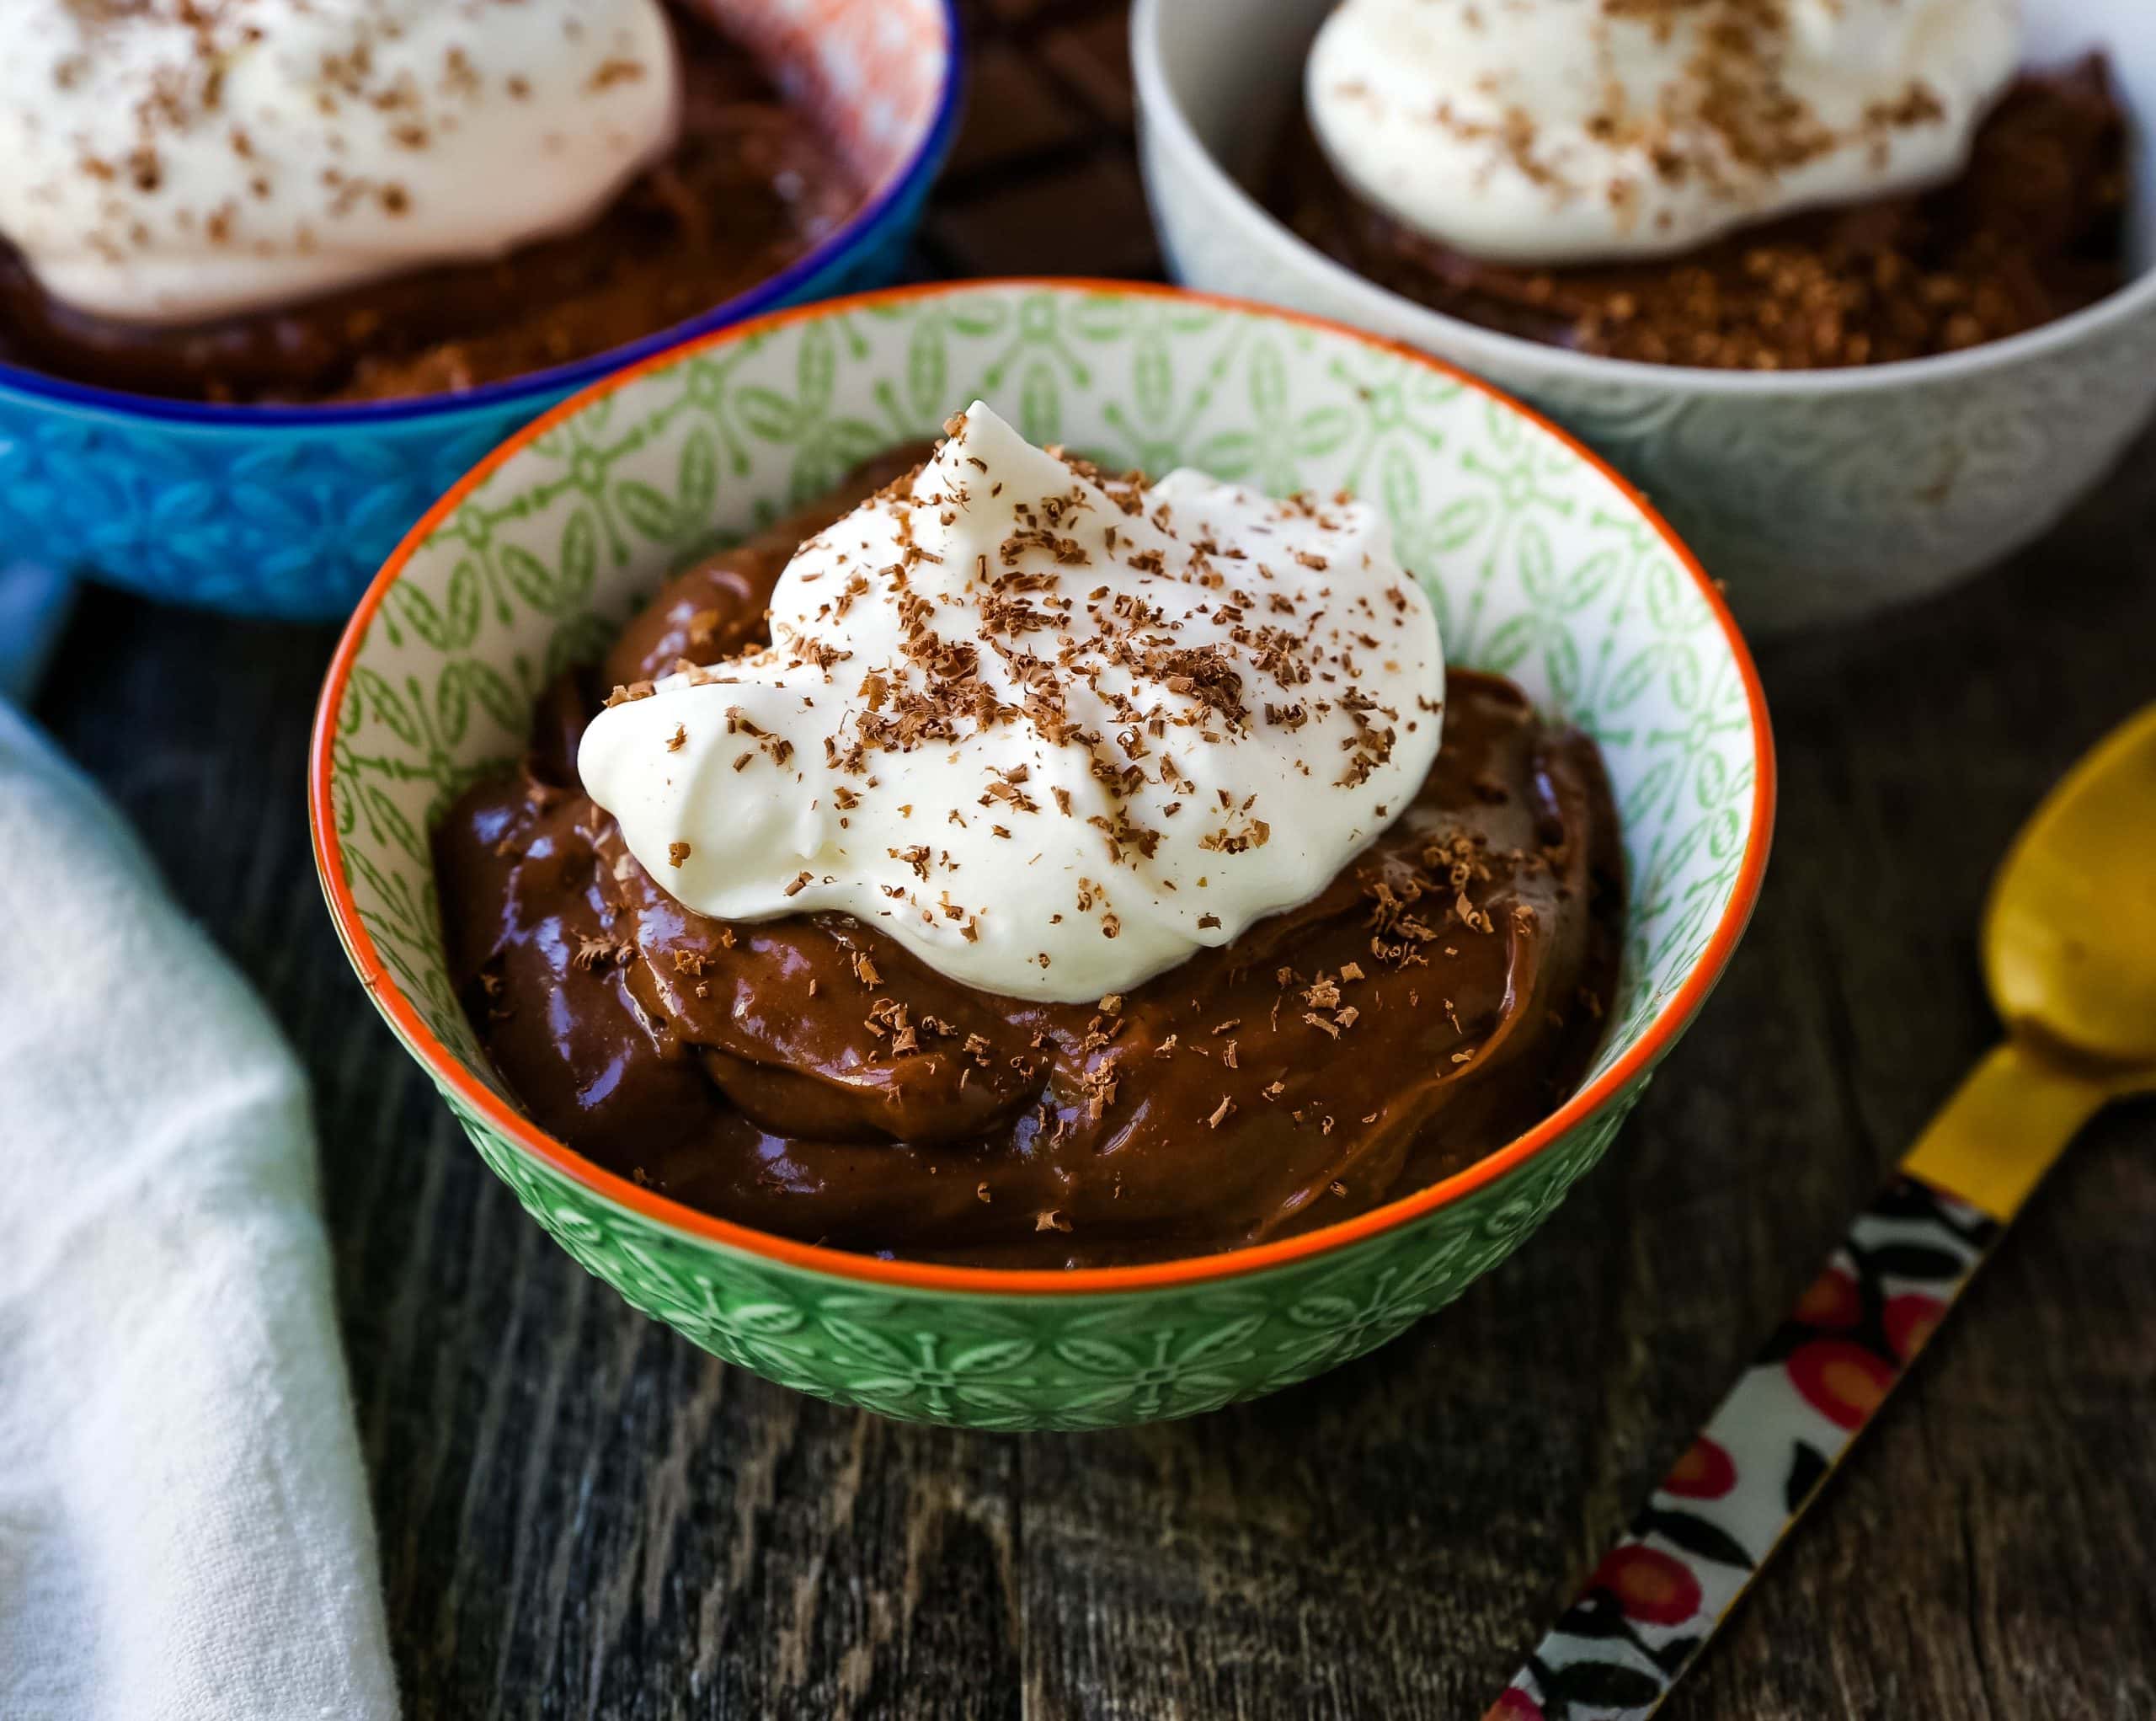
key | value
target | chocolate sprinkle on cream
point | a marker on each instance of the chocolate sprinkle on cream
(177, 162)
(1079, 657)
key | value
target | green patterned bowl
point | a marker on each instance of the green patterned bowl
(1542, 564)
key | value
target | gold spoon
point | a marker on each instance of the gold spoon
(2069, 953)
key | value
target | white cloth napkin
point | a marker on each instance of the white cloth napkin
(185, 1530)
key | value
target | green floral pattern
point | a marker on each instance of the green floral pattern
(1047, 1361)
(1541, 568)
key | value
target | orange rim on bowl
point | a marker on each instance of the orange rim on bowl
(451, 1073)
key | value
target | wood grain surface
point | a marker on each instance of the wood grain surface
(580, 1515)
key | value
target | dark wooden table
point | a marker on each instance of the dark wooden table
(581, 1514)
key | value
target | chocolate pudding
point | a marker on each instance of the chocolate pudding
(2031, 231)
(751, 185)
(810, 1075)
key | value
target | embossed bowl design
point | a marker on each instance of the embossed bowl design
(1544, 565)
(288, 512)
(1816, 496)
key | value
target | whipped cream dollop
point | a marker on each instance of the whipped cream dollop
(172, 161)
(1544, 133)
(1052, 731)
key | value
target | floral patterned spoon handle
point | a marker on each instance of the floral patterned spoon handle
(2069, 949)
(1649, 1608)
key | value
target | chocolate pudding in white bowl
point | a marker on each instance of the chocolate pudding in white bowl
(1860, 294)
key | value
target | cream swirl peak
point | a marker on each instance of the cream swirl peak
(175, 161)
(1556, 131)
(1052, 731)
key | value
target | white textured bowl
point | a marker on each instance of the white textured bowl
(1816, 496)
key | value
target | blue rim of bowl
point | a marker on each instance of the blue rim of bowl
(538, 386)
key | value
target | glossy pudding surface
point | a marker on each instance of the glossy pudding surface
(809, 1075)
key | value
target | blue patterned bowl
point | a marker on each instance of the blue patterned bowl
(288, 512)
(1542, 564)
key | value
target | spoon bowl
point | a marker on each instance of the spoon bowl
(2069, 934)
